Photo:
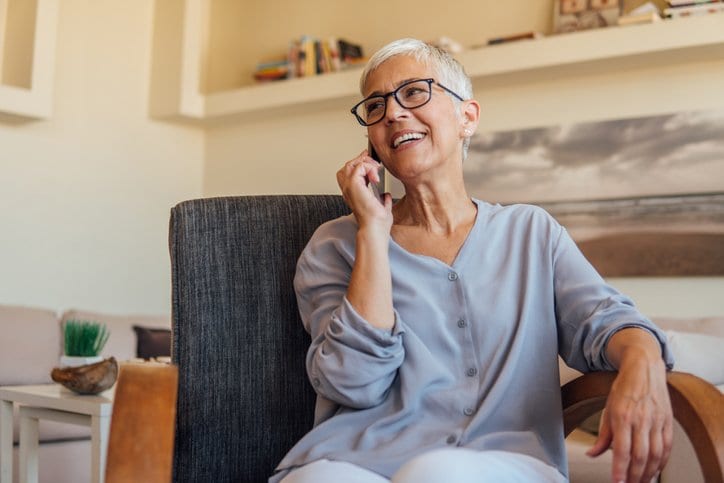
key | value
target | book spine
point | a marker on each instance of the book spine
(310, 57)
(334, 54)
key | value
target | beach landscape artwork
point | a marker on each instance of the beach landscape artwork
(641, 197)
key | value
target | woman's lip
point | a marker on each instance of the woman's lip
(409, 144)
(402, 133)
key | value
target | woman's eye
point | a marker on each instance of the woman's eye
(374, 106)
(413, 91)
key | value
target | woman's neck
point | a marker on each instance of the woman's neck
(440, 210)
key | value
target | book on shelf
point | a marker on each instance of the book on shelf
(272, 70)
(308, 56)
(514, 38)
(694, 10)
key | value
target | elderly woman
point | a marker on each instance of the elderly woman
(436, 322)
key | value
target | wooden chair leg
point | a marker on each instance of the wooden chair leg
(697, 405)
(141, 442)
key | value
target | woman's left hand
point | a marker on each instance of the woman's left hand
(637, 421)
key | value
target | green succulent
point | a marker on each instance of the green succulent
(84, 338)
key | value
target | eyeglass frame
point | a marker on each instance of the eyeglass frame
(430, 81)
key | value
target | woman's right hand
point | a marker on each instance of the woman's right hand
(352, 179)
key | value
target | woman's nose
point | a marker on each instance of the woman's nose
(394, 109)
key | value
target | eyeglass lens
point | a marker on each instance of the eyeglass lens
(410, 95)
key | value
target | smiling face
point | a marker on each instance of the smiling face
(419, 143)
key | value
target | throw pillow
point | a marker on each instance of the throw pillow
(151, 342)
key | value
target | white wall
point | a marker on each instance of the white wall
(300, 152)
(85, 195)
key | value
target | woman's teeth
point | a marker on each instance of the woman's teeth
(406, 137)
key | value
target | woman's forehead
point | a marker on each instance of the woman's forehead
(395, 71)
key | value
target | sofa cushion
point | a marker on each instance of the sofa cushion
(30, 345)
(122, 341)
(699, 325)
(698, 354)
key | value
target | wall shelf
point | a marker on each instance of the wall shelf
(27, 58)
(662, 43)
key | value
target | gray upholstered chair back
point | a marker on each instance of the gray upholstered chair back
(243, 398)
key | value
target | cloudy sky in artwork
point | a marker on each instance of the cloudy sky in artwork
(671, 154)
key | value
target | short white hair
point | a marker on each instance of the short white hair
(447, 71)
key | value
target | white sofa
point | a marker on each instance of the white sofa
(698, 347)
(30, 347)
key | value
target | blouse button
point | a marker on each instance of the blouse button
(451, 439)
(472, 372)
(462, 323)
(452, 276)
(469, 411)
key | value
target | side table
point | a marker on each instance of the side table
(55, 403)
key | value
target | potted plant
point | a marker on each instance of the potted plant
(83, 342)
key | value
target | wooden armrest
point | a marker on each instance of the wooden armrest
(140, 446)
(697, 405)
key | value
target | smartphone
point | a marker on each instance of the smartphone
(378, 189)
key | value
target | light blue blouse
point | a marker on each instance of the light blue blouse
(472, 358)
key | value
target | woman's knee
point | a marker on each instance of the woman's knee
(325, 471)
(462, 465)
(435, 466)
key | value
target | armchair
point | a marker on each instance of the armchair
(243, 394)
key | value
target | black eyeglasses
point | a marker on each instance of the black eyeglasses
(410, 95)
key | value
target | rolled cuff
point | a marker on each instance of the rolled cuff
(660, 336)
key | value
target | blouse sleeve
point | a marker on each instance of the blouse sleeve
(349, 361)
(589, 311)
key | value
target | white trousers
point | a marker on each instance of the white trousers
(448, 465)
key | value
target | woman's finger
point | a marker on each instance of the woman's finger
(656, 449)
(668, 437)
(639, 457)
(622, 446)
(603, 442)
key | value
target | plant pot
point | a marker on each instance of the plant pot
(77, 361)
(88, 378)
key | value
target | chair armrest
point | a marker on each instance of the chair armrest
(141, 440)
(697, 405)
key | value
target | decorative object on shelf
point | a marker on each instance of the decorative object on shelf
(447, 44)
(646, 13)
(88, 379)
(574, 15)
(692, 8)
(83, 342)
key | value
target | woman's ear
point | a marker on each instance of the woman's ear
(470, 117)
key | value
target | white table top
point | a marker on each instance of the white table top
(55, 396)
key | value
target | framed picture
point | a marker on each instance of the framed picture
(574, 15)
(641, 197)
